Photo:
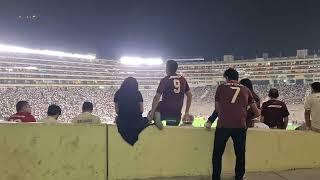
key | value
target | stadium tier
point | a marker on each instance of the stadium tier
(20, 69)
(68, 81)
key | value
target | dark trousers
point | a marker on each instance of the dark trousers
(239, 142)
(171, 120)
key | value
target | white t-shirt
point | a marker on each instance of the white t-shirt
(313, 104)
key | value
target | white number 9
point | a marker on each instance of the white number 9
(176, 84)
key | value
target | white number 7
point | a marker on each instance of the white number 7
(235, 94)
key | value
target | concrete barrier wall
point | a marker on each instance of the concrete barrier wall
(82, 152)
(187, 152)
(59, 152)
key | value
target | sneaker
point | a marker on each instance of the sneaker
(244, 177)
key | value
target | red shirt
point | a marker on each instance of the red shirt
(233, 100)
(22, 117)
(273, 112)
(173, 89)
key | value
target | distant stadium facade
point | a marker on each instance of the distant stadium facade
(40, 70)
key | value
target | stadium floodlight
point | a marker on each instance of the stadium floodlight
(136, 61)
(22, 50)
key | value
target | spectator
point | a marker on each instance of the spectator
(23, 113)
(231, 102)
(129, 107)
(312, 108)
(86, 116)
(250, 114)
(53, 113)
(172, 88)
(274, 113)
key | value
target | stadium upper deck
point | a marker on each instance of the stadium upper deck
(37, 70)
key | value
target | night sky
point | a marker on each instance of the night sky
(167, 28)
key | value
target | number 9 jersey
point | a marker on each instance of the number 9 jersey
(173, 90)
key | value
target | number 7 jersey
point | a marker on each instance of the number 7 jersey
(233, 100)
(172, 89)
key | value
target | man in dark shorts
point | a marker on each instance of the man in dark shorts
(172, 88)
(274, 113)
(231, 102)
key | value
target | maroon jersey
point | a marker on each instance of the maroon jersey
(22, 117)
(233, 100)
(273, 112)
(173, 89)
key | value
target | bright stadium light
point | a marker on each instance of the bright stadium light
(136, 61)
(22, 50)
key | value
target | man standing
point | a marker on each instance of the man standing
(86, 116)
(53, 113)
(312, 108)
(274, 113)
(23, 113)
(231, 102)
(172, 88)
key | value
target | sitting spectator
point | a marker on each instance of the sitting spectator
(87, 116)
(23, 113)
(274, 113)
(312, 108)
(53, 113)
(250, 121)
(129, 107)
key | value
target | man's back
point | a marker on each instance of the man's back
(87, 118)
(22, 117)
(313, 104)
(273, 112)
(173, 89)
(49, 120)
(233, 100)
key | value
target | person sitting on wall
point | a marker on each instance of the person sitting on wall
(274, 112)
(128, 104)
(312, 109)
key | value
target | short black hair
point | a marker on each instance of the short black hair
(21, 105)
(87, 106)
(316, 86)
(273, 93)
(247, 83)
(54, 110)
(172, 66)
(231, 74)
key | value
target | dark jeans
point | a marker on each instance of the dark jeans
(239, 142)
(171, 120)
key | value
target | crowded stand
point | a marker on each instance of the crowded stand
(70, 80)
(70, 99)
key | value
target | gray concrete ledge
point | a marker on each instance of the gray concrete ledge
(302, 174)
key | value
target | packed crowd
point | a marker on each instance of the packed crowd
(70, 99)
(290, 94)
